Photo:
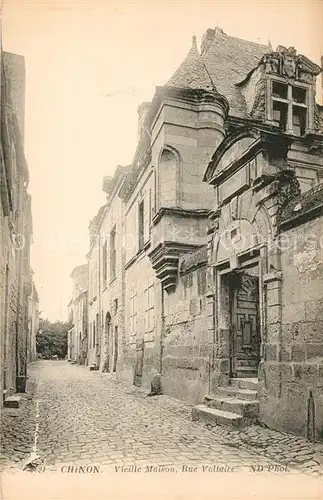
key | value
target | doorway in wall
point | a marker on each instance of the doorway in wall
(115, 352)
(244, 322)
(106, 366)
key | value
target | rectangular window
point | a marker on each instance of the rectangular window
(95, 280)
(289, 108)
(150, 213)
(280, 90)
(132, 313)
(149, 303)
(280, 112)
(201, 281)
(105, 264)
(141, 226)
(113, 254)
(155, 192)
(299, 120)
(188, 280)
(299, 95)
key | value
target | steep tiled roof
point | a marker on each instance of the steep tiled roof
(192, 73)
(228, 61)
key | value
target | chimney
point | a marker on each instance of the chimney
(143, 110)
(106, 184)
(207, 40)
(92, 230)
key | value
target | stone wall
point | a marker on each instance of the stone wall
(142, 320)
(186, 352)
(93, 266)
(292, 380)
(189, 135)
(112, 288)
(16, 228)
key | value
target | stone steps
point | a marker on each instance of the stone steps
(235, 405)
(5, 395)
(247, 394)
(250, 383)
(247, 372)
(213, 417)
(12, 401)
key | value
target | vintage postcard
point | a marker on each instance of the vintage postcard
(161, 250)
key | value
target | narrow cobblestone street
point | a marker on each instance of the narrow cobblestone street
(71, 416)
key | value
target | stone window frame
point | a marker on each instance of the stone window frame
(201, 281)
(105, 263)
(149, 305)
(141, 224)
(113, 253)
(132, 314)
(290, 102)
(179, 176)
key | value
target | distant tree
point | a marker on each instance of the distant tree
(51, 338)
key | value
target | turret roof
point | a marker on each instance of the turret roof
(226, 62)
(192, 73)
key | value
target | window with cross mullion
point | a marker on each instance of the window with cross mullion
(289, 108)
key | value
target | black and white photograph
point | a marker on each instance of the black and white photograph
(161, 250)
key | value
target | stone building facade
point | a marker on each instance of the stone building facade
(33, 322)
(215, 232)
(15, 228)
(77, 336)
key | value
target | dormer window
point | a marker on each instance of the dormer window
(289, 107)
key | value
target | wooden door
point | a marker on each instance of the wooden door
(245, 337)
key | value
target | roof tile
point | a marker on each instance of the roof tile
(228, 61)
(192, 73)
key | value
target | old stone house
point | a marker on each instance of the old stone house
(94, 291)
(218, 240)
(15, 229)
(106, 277)
(77, 336)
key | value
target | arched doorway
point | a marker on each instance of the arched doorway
(107, 332)
(115, 348)
(97, 346)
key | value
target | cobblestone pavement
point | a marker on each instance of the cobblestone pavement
(72, 416)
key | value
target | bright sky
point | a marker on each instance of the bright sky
(89, 64)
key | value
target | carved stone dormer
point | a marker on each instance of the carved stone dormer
(290, 99)
(280, 91)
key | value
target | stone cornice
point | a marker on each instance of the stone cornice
(181, 212)
(264, 140)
